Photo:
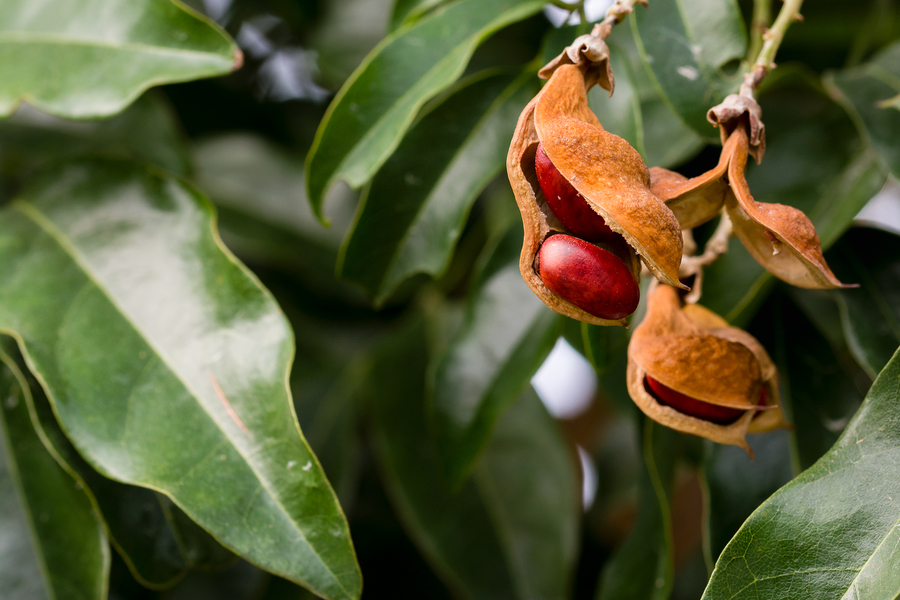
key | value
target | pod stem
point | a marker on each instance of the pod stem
(771, 41)
(716, 246)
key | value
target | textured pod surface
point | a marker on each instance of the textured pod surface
(594, 279)
(608, 172)
(656, 228)
(781, 238)
(694, 353)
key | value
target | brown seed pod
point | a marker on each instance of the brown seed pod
(723, 370)
(781, 238)
(608, 173)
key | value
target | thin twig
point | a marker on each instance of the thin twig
(772, 39)
(762, 18)
(615, 15)
(714, 248)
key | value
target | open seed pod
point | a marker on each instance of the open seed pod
(781, 238)
(605, 171)
(691, 371)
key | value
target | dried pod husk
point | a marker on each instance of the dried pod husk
(694, 352)
(590, 54)
(735, 110)
(781, 238)
(604, 169)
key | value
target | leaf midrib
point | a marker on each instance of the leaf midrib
(874, 552)
(31, 212)
(49, 39)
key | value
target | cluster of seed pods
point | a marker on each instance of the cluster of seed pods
(592, 212)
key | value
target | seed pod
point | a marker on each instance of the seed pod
(728, 379)
(781, 238)
(608, 173)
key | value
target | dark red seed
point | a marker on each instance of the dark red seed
(697, 408)
(567, 204)
(593, 279)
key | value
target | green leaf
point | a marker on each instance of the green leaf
(408, 11)
(376, 106)
(833, 531)
(103, 53)
(736, 484)
(870, 314)
(684, 47)
(264, 215)
(637, 113)
(819, 392)
(813, 162)
(414, 211)
(166, 363)
(643, 567)
(871, 95)
(138, 527)
(507, 334)
(511, 530)
(148, 131)
(53, 545)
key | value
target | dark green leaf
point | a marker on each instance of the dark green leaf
(871, 94)
(54, 522)
(870, 314)
(737, 484)
(685, 47)
(637, 113)
(813, 162)
(833, 531)
(507, 334)
(643, 567)
(166, 363)
(98, 56)
(510, 531)
(147, 131)
(413, 213)
(377, 105)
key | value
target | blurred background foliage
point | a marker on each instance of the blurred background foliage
(417, 343)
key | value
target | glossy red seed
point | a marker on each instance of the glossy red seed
(593, 279)
(697, 408)
(567, 204)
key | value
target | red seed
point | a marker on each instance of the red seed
(697, 408)
(593, 279)
(567, 204)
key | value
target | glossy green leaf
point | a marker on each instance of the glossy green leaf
(414, 211)
(166, 363)
(643, 567)
(155, 539)
(99, 55)
(833, 531)
(814, 162)
(377, 105)
(53, 544)
(511, 530)
(736, 484)
(685, 46)
(148, 131)
(870, 94)
(507, 334)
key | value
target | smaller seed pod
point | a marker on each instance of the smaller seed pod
(781, 238)
(604, 170)
(691, 371)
